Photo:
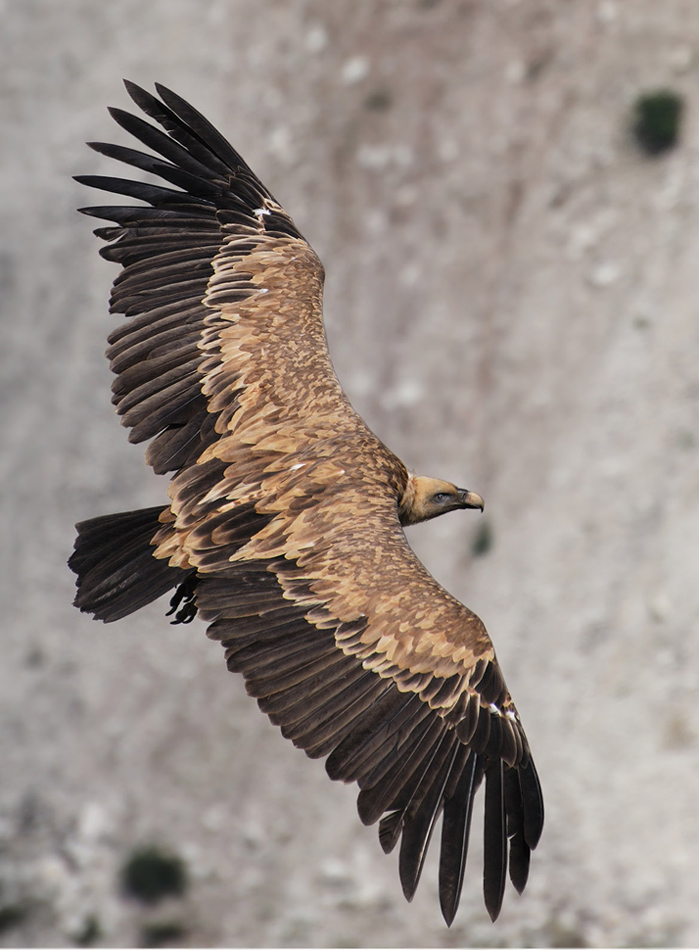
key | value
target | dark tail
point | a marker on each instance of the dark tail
(114, 561)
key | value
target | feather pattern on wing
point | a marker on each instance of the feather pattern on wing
(285, 525)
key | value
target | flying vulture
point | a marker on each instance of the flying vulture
(284, 529)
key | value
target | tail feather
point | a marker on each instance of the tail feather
(113, 558)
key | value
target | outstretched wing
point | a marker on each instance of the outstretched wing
(190, 260)
(284, 509)
(353, 648)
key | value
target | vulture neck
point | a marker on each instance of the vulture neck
(413, 508)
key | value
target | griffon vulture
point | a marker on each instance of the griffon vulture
(284, 529)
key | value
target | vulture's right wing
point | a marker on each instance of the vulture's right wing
(353, 648)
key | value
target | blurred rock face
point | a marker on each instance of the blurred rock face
(510, 301)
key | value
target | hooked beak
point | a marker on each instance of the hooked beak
(471, 499)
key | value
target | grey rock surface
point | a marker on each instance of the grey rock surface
(512, 304)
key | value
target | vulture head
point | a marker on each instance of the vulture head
(425, 498)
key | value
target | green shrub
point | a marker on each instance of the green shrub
(151, 873)
(657, 120)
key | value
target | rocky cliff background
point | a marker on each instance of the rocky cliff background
(512, 294)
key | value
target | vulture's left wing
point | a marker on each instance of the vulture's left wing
(216, 241)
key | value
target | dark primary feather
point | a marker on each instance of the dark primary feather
(494, 840)
(221, 364)
(422, 812)
(456, 827)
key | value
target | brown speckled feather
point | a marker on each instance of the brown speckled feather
(284, 528)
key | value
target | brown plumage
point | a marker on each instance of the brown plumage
(284, 529)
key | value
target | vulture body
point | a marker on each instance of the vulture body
(284, 530)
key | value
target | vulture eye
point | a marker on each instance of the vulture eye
(441, 496)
